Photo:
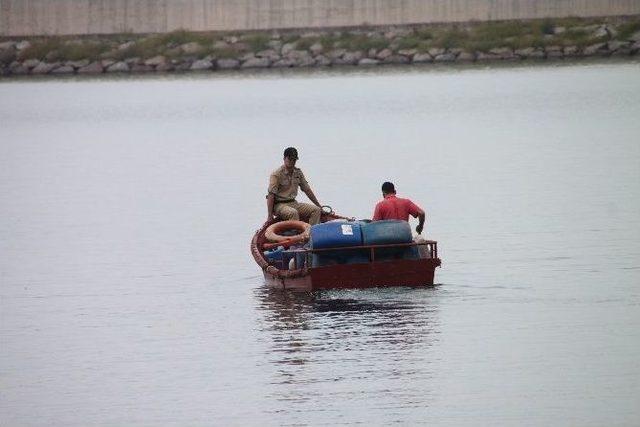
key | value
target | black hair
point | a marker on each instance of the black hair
(388, 188)
(291, 153)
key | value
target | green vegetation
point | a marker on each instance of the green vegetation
(364, 43)
(452, 38)
(257, 41)
(627, 29)
(225, 53)
(56, 49)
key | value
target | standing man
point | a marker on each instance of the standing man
(283, 189)
(392, 207)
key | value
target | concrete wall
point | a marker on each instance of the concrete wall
(58, 17)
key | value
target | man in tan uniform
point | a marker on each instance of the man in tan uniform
(283, 189)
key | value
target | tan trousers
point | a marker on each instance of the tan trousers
(297, 211)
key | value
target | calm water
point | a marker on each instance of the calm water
(128, 295)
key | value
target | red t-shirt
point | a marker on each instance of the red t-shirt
(393, 207)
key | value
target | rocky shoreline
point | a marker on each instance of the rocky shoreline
(182, 51)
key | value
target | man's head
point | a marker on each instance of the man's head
(290, 157)
(388, 188)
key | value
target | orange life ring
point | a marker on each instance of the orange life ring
(272, 232)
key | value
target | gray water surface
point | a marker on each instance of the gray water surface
(129, 297)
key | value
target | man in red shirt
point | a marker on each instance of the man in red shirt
(393, 207)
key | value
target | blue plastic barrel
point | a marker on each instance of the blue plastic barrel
(386, 232)
(336, 235)
(274, 254)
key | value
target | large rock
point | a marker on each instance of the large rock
(18, 69)
(132, 61)
(183, 65)
(288, 47)
(118, 67)
(316, 49)
(31, 63)
(228, 63)
(126, 45)
(635, 37)
(256, 63)
(422, 58)
(310, 35)
(191, 48)
(53, 56)
(337, 53)
(445, 57)
(435, 51)
(173, 52)
(44, 68)
(167, 66)
(525, 52)
(487, 56)
(247, 57)
(8, 45)
(554, 52)
(322, 61)
(408, 52)
(617, 45)
(275, 45)
(269, 53)
(221, 44)
(65, 69)
(78, 64)
(284, 63)
(352, 57)
(602, 31)
(635, 48)
(307, 61)
(571, 51)
(156, 60)
(141, 68)
(396, 59)
(466, 56)
(368, 61)
(503, 52)
(23, 45)
(384, 54)
(201, 64)
(595, 49)
(7, 56)
(298, 55)
(92, 68)
(538, 53)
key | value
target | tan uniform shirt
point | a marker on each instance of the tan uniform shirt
(284, 186)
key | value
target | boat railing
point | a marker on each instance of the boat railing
(431, 252)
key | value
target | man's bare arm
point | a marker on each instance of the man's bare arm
(270, 203)
(421, 218)
(312, 197)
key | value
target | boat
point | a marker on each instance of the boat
(297, 272)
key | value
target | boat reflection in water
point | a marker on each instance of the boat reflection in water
(375, 345)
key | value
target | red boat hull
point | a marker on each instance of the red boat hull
(350, 276)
